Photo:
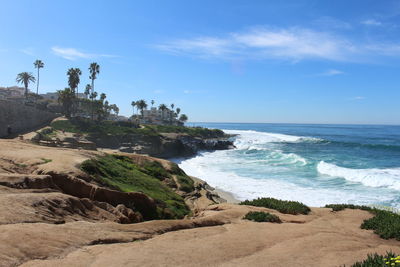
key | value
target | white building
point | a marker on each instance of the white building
(54, 95)
(157, 116)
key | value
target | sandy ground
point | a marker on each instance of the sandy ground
(216, 236)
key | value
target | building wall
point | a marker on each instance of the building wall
(21, 118)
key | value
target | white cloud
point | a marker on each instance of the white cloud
(28, 51)
(260, 43)
(358, 98)
(371, 22)
(73, 54)
(186, 91)
(332, 72)
(158, 91)
(291, 44)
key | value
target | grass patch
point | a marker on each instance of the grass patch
(44, 161)
(121, 173)
(375, 260)
(193, 131)
(385, 223)
(339, 207)
(259, 216)
(283, 206)
(96, 128)
(186, 183)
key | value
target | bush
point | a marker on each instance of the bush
(283, 206)
(193, 131)
(339, 207)
(385, 223)
(375, 260)
(259, 216)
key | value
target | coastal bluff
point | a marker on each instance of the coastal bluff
(21, 117)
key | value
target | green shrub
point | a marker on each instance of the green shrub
(339, 207)
(375, 260)
(283, 206)
(385, 223)
(259, 216)
(155, 169)
(119, 172)
(193, 131)
(186, 183)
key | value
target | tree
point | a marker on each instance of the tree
(178, 110)
(38, 65)
(141, 104)
(183, 118)
(172, 107)
(133, 104)
(66, 97)
(152, 103)
(74, 78)
(92, 96)
(94, 69)
(87, 90)
(163, 108)
(25, 78)
(103, 96)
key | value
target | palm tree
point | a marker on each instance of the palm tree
(94, 71)
(87, 90)
(183, 118)
(141, 104)
(66, 98)
(102, 97)
(163, 108)
(152, 103)
(74, 78)
(38, 65)
(172, 107)
(133, 104)
(178, 110)
(25, 78)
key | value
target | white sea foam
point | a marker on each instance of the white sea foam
(370, 177)
(251, 140)
(207, 167)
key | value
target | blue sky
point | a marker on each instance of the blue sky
(219, 61)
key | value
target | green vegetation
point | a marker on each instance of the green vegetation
(375, 260)
(385, 223)
(193, 131)
(101, 128)
(122, 174)
(259, 216)
(104, 128)
(339, 207)
(47, 134)
(283, 206)
(186, 183)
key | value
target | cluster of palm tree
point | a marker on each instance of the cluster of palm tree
(27, 77)
(69, 97)
(142, 105)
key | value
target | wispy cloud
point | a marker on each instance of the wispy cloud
(74, 54)
(260, 43)
(371, 22)
(158, 91)
(358, 98)
(331, 72)
(28, 51)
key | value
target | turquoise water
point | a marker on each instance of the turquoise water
(315, 164)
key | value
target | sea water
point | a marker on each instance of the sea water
(314, 164)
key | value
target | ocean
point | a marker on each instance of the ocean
(310, 163)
